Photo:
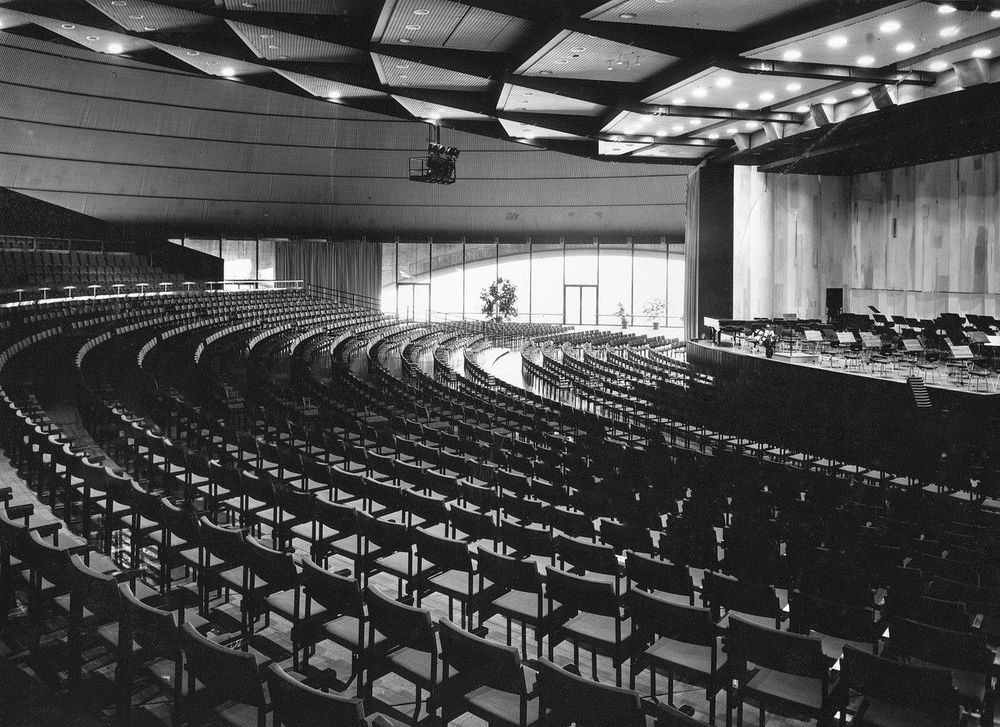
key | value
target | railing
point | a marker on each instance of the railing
(254, 284)
(66, 244)
(344, 296)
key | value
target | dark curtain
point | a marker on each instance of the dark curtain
(692, 322)
(352, 266)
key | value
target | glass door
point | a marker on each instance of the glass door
(413, 301)
(580, 305)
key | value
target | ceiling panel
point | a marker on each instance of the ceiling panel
(720, 88)
(577, 55)
(521, 130)
(398, 72)
(629, 123)
(12, 18)
(519, 98)
(142, 16)
(729, 15)
(329, 89)
(675, 151)
(426, 110)
(884, 38)
(276, 45)
(307, 7)
(987, 49)
(447, 24)
(618, 148)
(212, 64)
(96, 39)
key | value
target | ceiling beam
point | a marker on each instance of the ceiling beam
(714, 112)
(670, 141)
(828, 72)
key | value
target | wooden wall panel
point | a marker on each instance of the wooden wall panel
(914, 241)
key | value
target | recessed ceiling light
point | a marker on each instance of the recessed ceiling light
(742, 105)
(93, 38)
(724, 82)
(413, 27)
(792, 54)
(948, 32)
(946, 9)
(793, 87)
(119, 3)
(228, 72)
(938, 66)
(626, 16)
(858, 92)
(402, 65)
(661, 132)
(995, 14)
(115, 48)
(713, 136)
(265, 36)
(890, 26)
(830, 100)
(577, 49)
(545, 73)
(529, 136)
(404, 41)
(560, 61)
(135, 16)
(193, 53)
(694, 122)
(282, 58)
(68, 26)
(699, 92)
(802, 109)
(679, 101)
(333, 95)
(905, 47)
(149, 28)
(866, 60)
(421, 12)
(751, 125)
(402, 77)
(663, 2)
(982, 53)
(677, 128)
(272, 46)
(731, 130)
(837, 41)
(766, 96)
(248, 5)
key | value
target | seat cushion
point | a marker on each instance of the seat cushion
(344, 631)
(595, 629)
(883, 714)
(777, 688)
(496, 706)
(456, 583)
(690, 658)
(414, 666)
(522, 606)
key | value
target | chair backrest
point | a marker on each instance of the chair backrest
(922, 689)
(952, 649)
(509, 573)
(93, 591)
(384, 534)
(428, 508)
(386, 494)
(585, 555)
(726, 593)
(154, 630)
(337, 594)
(782, 651)
(650, 573)
(228, 673)
(527, 540)
(298, 705)
(653, 615)
(402, 625)
(350, 482)
(445, 553)
(272, 566)
(566, 698)
(341, 518)
(180, 522)
(481, 661)
(626, 536)
(222, 542)
(580, 592)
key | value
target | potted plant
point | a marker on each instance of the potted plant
(655, 309)
(622, 315)
(499, 298)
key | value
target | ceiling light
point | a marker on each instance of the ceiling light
(661, 132)
(545, 73)
(248, 5)
(93, 38)
(995, 14)
(677, 128)
(793, 87)
(421, 12)
(946, 9)
(731, 130)
(272, 46)
(404, 41)
(948, 32)
(626, 16)
(837, 41)
(402, 66)
(115, 48)
(713, 136)
(766, 96)
(905, 47)
(699, 92)
(866, 60)
(119, 3)
(68, 26)
(333, 95)
(858, 92)
(802, 109)
(982, 53)
(413, 27)
(577, 49)
(890, 26)
(528, 136)
(228, 72)
(193, 53)
(938, 66)
(724, 82)
(148, 28)
(792, 54)
(561, 61)
(742, 105)
(679, 101)
(830, 100)
(631, 131)
(751, 125)
(135, 16)
(694, 122)
(265, 36)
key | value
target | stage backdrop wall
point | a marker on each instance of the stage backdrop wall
(915, 241)
(354, 266)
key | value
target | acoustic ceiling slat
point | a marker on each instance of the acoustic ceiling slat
(577, 55)
(143, 16)
(519, 98)
(726, 15)
(276, 45)
(400, 73)
(329, 89)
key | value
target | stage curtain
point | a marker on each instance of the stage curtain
(354, 266)
(692, 324)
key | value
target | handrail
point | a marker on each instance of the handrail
(344, 296)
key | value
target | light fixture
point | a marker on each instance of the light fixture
(577, 49)
(193, 53)
(333, 95)
(766, 96)
(421, 11)
(948, 32)
(731, 130)
(119, 3)
(890, 26)
(560, 61)
(413, 27)
(713, 136)
(626, 16)
(545, 73)
(982, 53)
(404, 41)
(135, 16)
(115, 48)
(248, 5)
(724, 82)
(272, 47)
(402, 66)
(995, 14)
(742, 105)
(830, 100)
(866, 60)
(792, 54)
(793, 87)
(751, 125)
(802, 109)
(661, 132)
(227, 71)
(905, 47)
(67, 26)
(858, 92)
(938, 66)
(679, 101)
(93, 38)
(694, 122)
(677, 128)
(148, 28)
(946, 9)
(837, 41)
(699, 92)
